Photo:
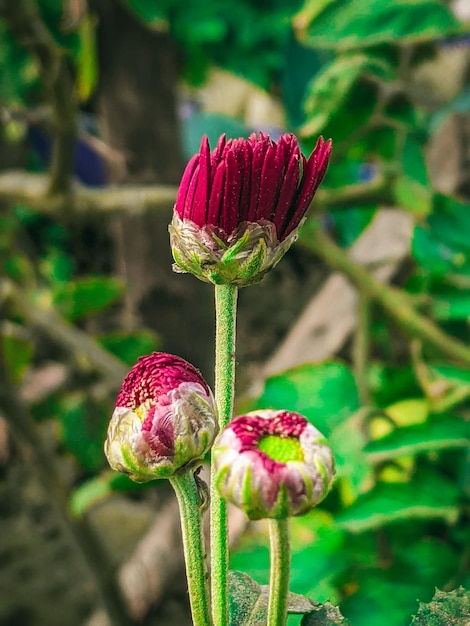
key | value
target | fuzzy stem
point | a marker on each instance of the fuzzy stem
(194, 552)
(225, 316)
(279, 573)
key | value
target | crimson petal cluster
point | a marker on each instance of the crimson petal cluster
(273, 464)
(164, 421)
(238, 207)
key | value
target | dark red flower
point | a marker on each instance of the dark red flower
(244, 191)
(253, 180)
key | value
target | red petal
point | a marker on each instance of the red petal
(180, 203)
(259, 152)
(217, 195)
(314, 171)
(229, 218)
(288, 192)
(202, 192)
(271, 178)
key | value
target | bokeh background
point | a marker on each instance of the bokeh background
(363, 327)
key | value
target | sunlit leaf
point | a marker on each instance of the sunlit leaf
(325, 393)
(428, 497)
(360, 23)
(427, 437)
(331, 87)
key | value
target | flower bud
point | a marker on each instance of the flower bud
(164, 421)
(239, 207)
(273, 464)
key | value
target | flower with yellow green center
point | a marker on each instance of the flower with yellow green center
(273, 464)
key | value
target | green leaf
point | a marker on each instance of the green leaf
(129, 346)
(149, 12)
(87, 59)
(17, 351)
(442, 246)
(332, 86)
(83, 424)
(248, 601)
(101, 487)
(454, 306)
(428, 497)
(325, 393)
(452, 607)
(361, 23)
(86, 296)
(324, 615)
(428, 437)
(412, 188)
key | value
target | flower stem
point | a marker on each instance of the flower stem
(279, 573)
(194, 552)
(225, 316)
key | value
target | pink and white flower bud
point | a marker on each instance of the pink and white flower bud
(164, 421)
(273, 464)
(239, 207)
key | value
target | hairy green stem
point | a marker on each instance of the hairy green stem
(225, 316)
(279, 572)
(394, 302)
(194, 552)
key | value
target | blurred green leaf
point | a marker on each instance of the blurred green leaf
(454, 306)
(129, 346)
(412, 188)
(86, 296)
(93, 491)
(452, 607)
(87, 61)
(56, 265)
(17, 350)
(436, 434)
(151, 13)
(331, 87)
(361, 23)
(442, 246)
(325, 393)
(427, 497)
(83, 426)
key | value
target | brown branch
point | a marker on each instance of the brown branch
(17, 186)
(82, 347)
(394, 302)
(26, 23)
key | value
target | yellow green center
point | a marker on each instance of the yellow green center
(281, 449)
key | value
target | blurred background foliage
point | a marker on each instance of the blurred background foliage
(388, 81)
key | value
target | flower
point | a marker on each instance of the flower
(164, 421)
(239, 207)
(273, 464)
